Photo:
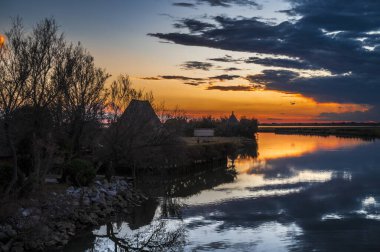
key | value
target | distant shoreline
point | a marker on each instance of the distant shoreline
(341, 130)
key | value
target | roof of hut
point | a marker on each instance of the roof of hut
(139, 111)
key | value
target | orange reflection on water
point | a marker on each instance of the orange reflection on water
(273, 146)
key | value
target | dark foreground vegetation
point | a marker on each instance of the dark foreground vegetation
(61, 122)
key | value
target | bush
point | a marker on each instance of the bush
(80, 172)
(6, 171)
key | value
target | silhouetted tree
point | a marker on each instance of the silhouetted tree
(121, 93)
(45, 47)
(14, 71)
(83, 97)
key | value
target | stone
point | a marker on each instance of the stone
(86, 201)
(6, 247)
(33, 245)
(17, 249)
(3, 236)
(50, 243)
(10, 231)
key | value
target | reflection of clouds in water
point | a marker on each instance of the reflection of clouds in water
(332, 217)
(369, 201)
(256, 185)
(211, 236)
(370, 209)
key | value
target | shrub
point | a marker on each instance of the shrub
(5, 175)
(80, 172)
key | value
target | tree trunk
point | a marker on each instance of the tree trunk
(14, 157)
(35, 176)
(47, 161)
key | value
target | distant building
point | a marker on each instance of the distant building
(204, 132)
(232, 120)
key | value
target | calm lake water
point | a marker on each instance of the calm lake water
(301, 193)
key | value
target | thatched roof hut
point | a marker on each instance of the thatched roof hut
(140, 113)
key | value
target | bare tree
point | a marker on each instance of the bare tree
(45, 46)
(83, 94)
(121, 93)
(14, 71)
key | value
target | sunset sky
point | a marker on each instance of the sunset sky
(278, 61)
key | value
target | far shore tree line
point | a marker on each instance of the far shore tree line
(223, 127)
(57, 111)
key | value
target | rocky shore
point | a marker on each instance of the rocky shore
(59, 216)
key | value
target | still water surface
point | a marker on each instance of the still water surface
(301, 193)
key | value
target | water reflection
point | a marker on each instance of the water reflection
(160, 235)
(274, 146)
(302, 193)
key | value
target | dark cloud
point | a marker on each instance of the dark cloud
(173, 77)
(197, 65)
(227, 59)
(342, 89)
(194, 83)
(193, 25)
(228, 3)
(182, 4)
(334, 35)
(151, 78)
(358, 116)
(334, 15)
(280, 62)
(179, 77)
(224, 77)
(230, 69)
(271, 77)
(232, 88)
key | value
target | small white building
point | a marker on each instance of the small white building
(204, 132)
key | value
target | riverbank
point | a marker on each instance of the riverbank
(340, 131)
(50, 220)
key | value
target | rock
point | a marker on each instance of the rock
(86, 201)
(17, 247)
(71, 233)
(6, 247)
(3, 236)
(50, 243)
(10, 231)
(33, 245)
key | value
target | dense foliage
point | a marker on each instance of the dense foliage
(80, 172)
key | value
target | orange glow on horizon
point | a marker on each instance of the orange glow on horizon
(265, 105)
